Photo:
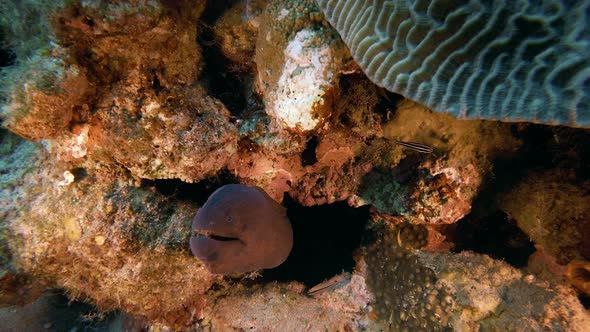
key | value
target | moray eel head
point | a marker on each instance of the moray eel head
(241, 229)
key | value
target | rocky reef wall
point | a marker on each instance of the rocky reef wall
(121, 118)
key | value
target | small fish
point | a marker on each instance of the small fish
(416, 146)
(329, 284)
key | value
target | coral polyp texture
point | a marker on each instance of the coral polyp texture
(503, 60)
(419, 291)
(311, 207)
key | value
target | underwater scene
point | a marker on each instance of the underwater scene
(295, 165)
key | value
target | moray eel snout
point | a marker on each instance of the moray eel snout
(241, 229)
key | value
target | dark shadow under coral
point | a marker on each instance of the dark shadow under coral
(308, 156)
(495, 235)
(222, 84)
(194, 192)
(325, 239)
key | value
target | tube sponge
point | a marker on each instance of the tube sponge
(241, 229)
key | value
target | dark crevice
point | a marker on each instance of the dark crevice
(585, 300)
(79, 173)
(156, 85)
(544, 148)
(194, 192)
(7, 56)
(508, 171)
(308, 156)
(495, 235)
(387, 103)
(65, 314)
(487, 229)
(325, 239)
(228, 87)
(216, 8)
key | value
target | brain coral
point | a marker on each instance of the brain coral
(504, 60)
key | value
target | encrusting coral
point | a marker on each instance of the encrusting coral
(143, 108)
(434, 292)
(297, 83)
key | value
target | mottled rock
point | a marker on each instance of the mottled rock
(47, 97)
(552, 208)
(435, 188)
(298, 59)
(236, 32)
(342, 309)
(53, 229)
(470, 292)
(182, 134)
(145, 41)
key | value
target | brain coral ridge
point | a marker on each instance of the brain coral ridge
(503, 60)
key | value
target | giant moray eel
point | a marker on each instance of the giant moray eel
(509, 60)
(241, 229)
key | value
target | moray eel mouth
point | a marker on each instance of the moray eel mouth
(240, 229)
(198, 234)
(215, 248)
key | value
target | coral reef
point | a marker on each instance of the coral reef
(287, 308)
(297, 83)
(236, 33)
(486, 68)
(423, 291)
(555, 214)
(105, 239)
(131, 113)
(491, 295)
(135, 134)
(436, 188)
(44, 104)
(19, 158)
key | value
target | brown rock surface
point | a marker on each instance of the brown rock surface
(143, 108)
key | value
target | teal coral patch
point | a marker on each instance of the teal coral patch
(501, 60)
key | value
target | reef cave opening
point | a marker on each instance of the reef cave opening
(489, 230)
(325, 239)
(495, 235)
(195, 192)
(308, 156)
(325, 236)
(227, 86)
